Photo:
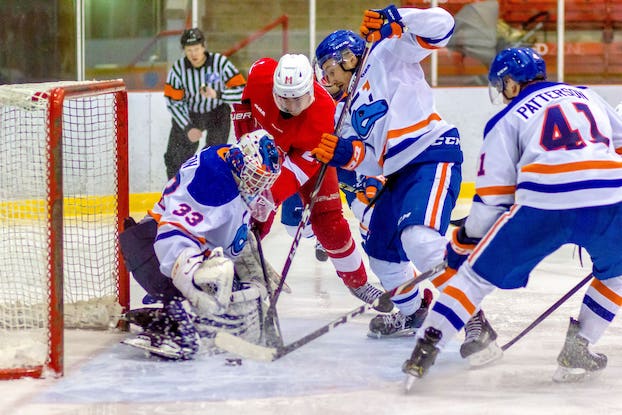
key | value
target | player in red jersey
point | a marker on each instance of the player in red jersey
(284, 99)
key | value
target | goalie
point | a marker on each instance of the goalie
(194, 245)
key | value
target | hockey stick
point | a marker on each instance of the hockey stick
(306, 214)
(245, 349)
(248, 350)
(432, 272)
(458, 222)
(271, 331)
(547, 312)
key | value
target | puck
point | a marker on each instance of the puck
(233, 362)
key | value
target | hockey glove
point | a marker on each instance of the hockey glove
(459, 248)
(243, 121)
(346, 153)
(207, 284)
(369, 187)
(263, 227)
(380, 24)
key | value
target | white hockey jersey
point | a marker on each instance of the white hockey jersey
(392, 109)
(554, 146)
(200, 207)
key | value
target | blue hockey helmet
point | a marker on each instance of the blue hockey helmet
(520, 64)
(338, 42)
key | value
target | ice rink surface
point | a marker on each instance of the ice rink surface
(342, 372)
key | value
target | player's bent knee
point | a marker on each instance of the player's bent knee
(424, 246)
(391, 274)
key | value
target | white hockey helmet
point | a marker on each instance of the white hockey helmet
(293, 84)
(254, 160)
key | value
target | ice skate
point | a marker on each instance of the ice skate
(397, 324)
(576, 361)
(149, 318)
(170, 335)
(422, 357)
(368, 294)
(320, 253)
(480, 345)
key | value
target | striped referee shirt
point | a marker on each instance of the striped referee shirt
(184, 81)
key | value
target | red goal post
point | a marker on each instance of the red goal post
(64, 193)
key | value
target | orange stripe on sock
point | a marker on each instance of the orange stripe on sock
(444, 277)
(461, 297)
(606, 292)
(406, 289)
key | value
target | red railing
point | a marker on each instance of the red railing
(282, 20)
(279, 21)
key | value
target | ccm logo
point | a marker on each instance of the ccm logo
(241, 115)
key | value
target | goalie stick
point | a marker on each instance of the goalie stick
(248, 350)
(271, 328)
(547, 312)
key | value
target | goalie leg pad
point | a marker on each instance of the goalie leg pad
(243, 318)
(248, 265)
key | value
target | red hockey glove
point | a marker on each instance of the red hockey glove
(381, 24)
(347, 153)
(243, 121)
(263, 228)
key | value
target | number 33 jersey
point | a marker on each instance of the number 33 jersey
(200, 207)
(553, 147)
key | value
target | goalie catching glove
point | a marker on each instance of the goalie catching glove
(380, 24)
(342, 152)
(206, 283)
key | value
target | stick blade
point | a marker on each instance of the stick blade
(243, 348)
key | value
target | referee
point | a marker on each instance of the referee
(199, 88)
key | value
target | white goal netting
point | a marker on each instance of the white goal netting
(33, 227)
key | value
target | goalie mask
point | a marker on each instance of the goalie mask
(293, 84)
(255, 162)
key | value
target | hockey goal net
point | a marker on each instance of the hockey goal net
(63, 198)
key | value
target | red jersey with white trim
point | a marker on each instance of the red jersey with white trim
(555, 146)
(294, 136)
(392, 110)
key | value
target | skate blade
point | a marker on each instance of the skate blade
(573, 375)
(409, 383)
(164, 351)
(401, 333)
(487, 356)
